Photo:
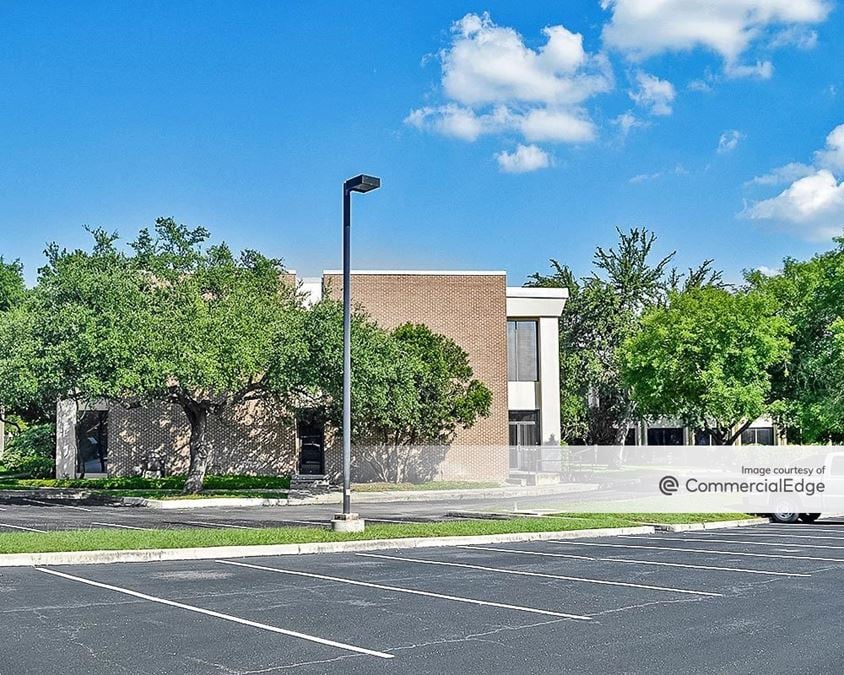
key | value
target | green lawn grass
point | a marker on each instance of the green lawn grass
(107, 539)
(174, 483)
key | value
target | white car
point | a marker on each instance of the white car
(788, 509)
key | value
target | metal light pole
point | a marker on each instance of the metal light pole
(362, 183)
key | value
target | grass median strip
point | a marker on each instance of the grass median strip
(109, 539)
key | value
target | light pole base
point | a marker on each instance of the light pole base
(347, 522)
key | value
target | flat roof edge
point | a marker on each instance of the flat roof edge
(537, 292)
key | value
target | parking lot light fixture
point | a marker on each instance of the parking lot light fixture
(347, 521)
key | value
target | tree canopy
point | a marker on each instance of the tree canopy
(810, 296)
(603, 310)
(707, 358)
(412, 390)
(173, 319)
(12, 287)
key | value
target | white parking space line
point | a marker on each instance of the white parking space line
(219, 615)
(410, 591)
(804, 528)
(697, 550)
(772, 534)
(780, 544)
(123, 527)
(21, 527)
(637, 562)
(482, 568)
(64, 506)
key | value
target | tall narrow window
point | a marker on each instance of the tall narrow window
(522, 351)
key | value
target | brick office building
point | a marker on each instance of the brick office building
(510, 335)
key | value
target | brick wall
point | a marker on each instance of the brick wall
(470, 309)
(252, 439)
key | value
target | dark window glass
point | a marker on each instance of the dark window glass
(630, 439)
(522, 354)
(665, 436)
(524, 427)
(758, 436)
(92, 442)
(703, 437)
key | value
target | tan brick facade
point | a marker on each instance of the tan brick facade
(253, 439)
(471, 310)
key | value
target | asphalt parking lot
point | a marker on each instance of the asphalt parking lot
(32, 515)
(762, 598)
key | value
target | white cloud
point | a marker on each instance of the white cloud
(525, 158)
(761, 70)
(832, 156)
(493, 84)
(699, 85)
(728, 141)
(487, 63)
(783, 174)
(768, 271)
(795, 36)
(653, 94)
(542, 124)
(643, 28)
(627, 121)
(812, 205)
(678, 170)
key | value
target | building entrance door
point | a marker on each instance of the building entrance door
(311, 447)
(92, 443)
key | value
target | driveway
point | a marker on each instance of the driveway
(757, 599)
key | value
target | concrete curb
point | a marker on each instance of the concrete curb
(715, 525)
(210, 502)
(389, 496)
(214, 552)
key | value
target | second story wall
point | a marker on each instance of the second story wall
(469, 308)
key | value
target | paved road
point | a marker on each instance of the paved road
(758, 599)
(45, 516)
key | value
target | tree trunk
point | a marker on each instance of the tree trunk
(199, 451)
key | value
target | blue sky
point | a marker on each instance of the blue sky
(505, 133)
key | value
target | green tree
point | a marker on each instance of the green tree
(174, 321)
(707, 358)
(604, 309)
(12, 287)
(412, 390)
(810, 296)
(17, 383)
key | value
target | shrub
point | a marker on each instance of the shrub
(31, 452)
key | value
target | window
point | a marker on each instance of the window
(758, 436)
(703, 437)
(630, 439)
(524, 427)
(522, 353)
(665, 436)
(524, 432)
